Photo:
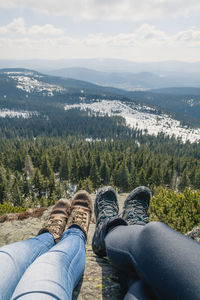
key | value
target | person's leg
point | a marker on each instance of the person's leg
(154, 258)
(54, 274)
(16, 257)
(167, 261)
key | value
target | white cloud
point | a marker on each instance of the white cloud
(20, 41)
(18, 27)
(190, 37)
(110, 9)
(46, 30)
(144, 36)
(148, 32)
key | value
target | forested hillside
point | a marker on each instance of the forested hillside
(38, 171)
(46, 152)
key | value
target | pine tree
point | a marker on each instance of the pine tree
(167, 177)
(94, 175)
(184, 181)
(156, 177)
(3, 184)
(104, 174)
(38, 183)
(197, 179)
(64, 168)
(46, 169)
(73, 173)
(123, 178)
(132, 182)
(28, 168)
(141, 178)
(26, 186)
(17, 199)
(86, 185)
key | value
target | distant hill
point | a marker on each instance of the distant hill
(20, 83)
(130, 80)
(105, 65)
(178, 91)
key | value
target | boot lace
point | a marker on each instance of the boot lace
(56, 225)
(138, 212)
(107, 209)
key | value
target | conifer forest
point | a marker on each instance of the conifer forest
(49, 152)
(41, 162)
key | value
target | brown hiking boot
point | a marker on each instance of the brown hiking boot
(81, 211)
(58, 219)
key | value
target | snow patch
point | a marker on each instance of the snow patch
(17, 114)
(140, 117)
(33, 84)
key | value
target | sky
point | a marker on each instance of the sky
(135, 30)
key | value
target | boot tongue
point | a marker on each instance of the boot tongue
(57, 213)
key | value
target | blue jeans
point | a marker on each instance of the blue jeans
(39, 269)
(155, 262)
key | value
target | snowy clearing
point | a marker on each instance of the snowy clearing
(140, 117)
(32, 84)
(16, 114)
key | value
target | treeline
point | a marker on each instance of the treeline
(40, 170)
(56, 122)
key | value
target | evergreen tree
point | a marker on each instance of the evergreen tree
(123, 178)
(64, 168)
(3, 184)
(38, 183)
(197, 179)
(94, 175)
(46, 169)
(141, 178)
(156, 177)
(73, 173)
(104, 174)
(132, 182)
(28, 168)
(184, 181)
(17, 199)
(26, 186)
(86, 184)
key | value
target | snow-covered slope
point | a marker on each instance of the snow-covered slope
(31, 82)
(141, 117)
(16, 114)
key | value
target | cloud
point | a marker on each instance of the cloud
(190, 36)
(144, 36)
(113, 9)
(18, 27)
(17, 40)
(47, 29)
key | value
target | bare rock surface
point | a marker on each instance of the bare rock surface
(100, 280)
(194, 234)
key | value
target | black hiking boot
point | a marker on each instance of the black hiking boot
(106, 213)
(136, 206)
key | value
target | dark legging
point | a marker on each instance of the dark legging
(158, 262)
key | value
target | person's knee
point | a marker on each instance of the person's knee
(154, 227)
(153, 235)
